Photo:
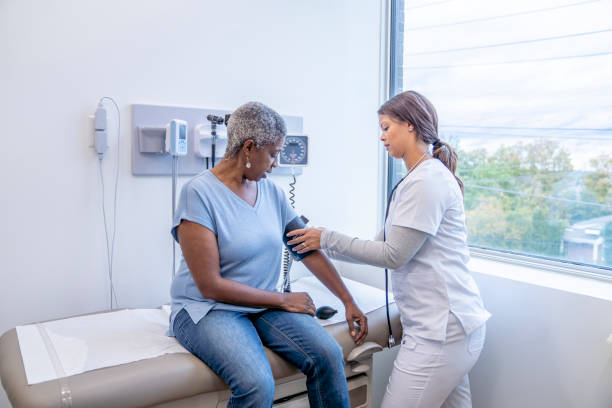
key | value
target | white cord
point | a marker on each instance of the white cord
(174, 175)
(110, 250)
(109, 258)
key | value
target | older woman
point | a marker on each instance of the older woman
(230, 222)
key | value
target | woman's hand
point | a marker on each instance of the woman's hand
(309, 239)
(298, 302)
(358, 332)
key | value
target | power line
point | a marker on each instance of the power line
(530, 128)
(492, 167)
(539, 242)
(467, 134)
(559, 199)
(560, 174)
(510, 43)
(428, 4)
(498, 17)
(599, 54)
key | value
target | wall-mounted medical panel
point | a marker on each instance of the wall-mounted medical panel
(149, 156)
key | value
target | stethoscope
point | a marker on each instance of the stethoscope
(391, 340)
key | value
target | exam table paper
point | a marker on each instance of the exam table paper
(90, 342)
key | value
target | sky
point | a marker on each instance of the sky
(486, 97)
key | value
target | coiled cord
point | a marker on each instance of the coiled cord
(291, 192)
(287, 259)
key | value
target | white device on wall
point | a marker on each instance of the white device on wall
(176, 146)
(176, 137)
(203, 141)
(100, 132)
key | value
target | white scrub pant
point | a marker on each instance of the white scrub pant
(433, 374)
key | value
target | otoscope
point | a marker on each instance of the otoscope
(214, 121)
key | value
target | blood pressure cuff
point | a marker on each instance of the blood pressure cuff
(296, 223)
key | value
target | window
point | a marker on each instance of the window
(523, 91)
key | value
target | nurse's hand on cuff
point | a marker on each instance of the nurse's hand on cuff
(309, 239)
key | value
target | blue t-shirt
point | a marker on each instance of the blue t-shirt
(249, 240)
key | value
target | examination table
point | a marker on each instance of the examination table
(181, 380)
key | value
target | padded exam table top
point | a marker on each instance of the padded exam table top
(167, 378)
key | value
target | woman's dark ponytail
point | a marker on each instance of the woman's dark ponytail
(413, 108)
(445, 153)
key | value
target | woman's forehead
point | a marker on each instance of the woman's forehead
(385, 118)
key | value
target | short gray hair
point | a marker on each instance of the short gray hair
(254, 121)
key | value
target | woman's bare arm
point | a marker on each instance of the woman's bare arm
(199, 247)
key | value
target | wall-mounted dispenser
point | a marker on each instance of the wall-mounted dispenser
(202, 139)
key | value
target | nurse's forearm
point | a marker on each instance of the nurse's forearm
(401, 245)
(340, 257)
(346, 258)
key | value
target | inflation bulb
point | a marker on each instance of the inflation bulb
(325, 312)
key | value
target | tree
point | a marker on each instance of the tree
(509, 197)
(599, 183)
(523, 196)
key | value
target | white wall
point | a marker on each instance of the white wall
(545, 348)
(317, 59)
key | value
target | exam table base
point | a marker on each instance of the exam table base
(291, 394)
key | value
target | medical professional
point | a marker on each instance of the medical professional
(424, 244)
(230, 223)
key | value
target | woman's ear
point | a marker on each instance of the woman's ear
(248, 145)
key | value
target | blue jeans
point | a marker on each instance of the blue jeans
(232, 345)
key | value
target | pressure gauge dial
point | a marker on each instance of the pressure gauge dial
(295, 151)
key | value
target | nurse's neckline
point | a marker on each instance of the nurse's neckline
(422, 159)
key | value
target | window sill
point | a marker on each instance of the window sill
(560, 278)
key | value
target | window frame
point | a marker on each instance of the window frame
(394, 62)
